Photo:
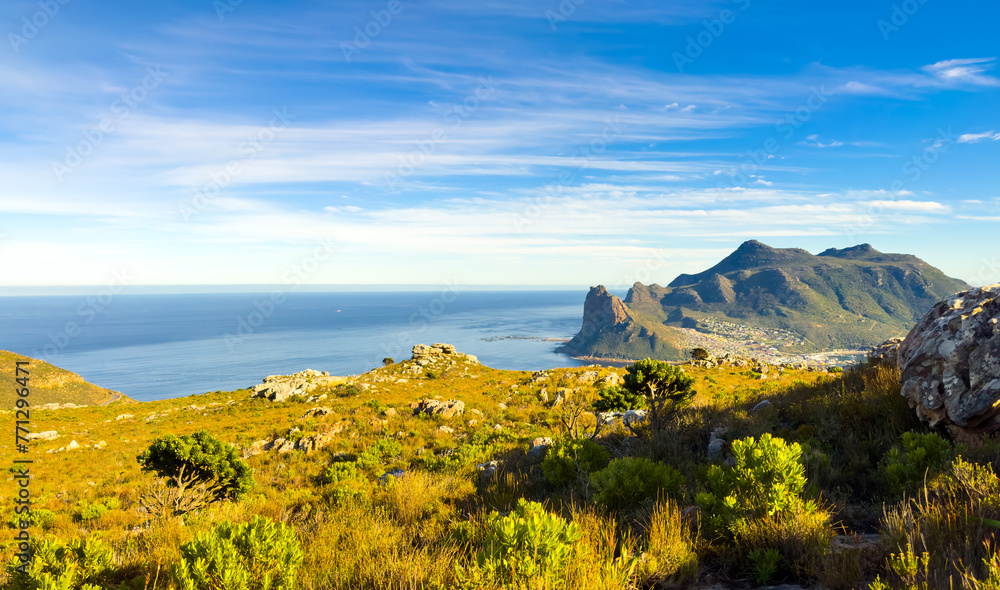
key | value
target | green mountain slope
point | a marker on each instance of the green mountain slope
(850, 298)
(49, 384)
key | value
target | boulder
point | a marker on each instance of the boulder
(279, 388)
(761, 406)
(587, 377)
(316, 412)
(433, 407)
(950, 363)
(539, 447)
(47, 435)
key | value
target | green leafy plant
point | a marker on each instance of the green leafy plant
(83, 564)
(199, 459)
(569, 461)
(529, 544)
(340, 472)
(36, 517)
(767, 478)
(765, 564)
(378, 453)
(618, 399)
(257, 555)
(920, 456)
(628, 481)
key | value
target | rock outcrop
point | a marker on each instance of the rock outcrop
(434, 407)
(279, 388)
(437, 352)
(950, 363)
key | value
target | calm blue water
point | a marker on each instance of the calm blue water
(160, 346)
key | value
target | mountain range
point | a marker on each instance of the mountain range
(787, 298)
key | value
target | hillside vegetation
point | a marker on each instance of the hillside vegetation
(50, 384)
(398, 499)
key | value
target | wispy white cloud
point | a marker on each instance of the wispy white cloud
(978, 137)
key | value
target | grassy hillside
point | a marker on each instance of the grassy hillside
(423, 529)
(50, 384)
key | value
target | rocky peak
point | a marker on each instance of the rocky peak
(858, 251)
(602, 309)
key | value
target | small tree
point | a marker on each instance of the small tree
(387, 361)
(200, 463)
(699, 354)
(666, 388)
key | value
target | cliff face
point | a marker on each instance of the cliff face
(848, 298)
(602, 313)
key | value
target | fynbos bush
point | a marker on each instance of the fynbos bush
(569, 461)
(258, 555)
(529, 544)
(767, 478)
(83, 564)
(921, 455)
(628, 481)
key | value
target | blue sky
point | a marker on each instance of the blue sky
(494, 142)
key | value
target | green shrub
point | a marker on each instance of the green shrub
(484, 445)
(36, 517)
(628, 481)
(757, 505)
(920, 456)
(767, 478)
(258, 555)
(378, 453)
(340, 472)
(617, 399)
(87, 511)
(83, 564)
(199, 458)
(569, 460)
(527, 545)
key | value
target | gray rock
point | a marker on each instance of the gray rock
(539, 447)
(47, 435)
(950, 363)
(715, 449)
(762, 406)
(433, 407)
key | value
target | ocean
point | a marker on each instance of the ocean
(162, 346)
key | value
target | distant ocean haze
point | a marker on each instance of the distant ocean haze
(161, 346)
